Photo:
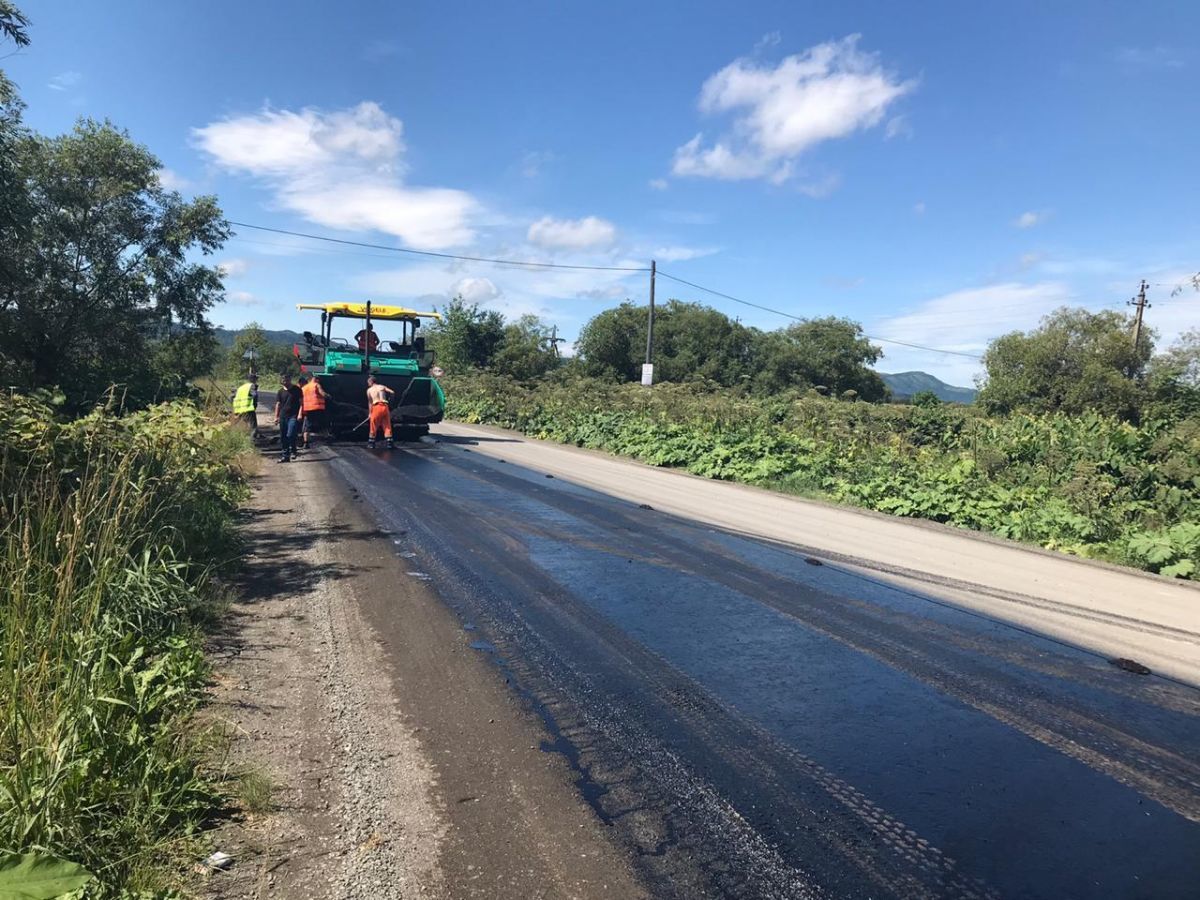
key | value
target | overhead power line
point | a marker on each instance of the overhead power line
(786, 315)
(481, 259)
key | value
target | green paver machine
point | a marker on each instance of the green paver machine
(343, 363)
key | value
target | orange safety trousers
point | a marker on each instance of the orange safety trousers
(381, 420)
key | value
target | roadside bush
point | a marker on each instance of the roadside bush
(111, 529)
(1089, 484)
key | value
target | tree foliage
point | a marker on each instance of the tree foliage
(693, 341)
(1075, 361)
(270, 359)
(472, 338)
(98, 274)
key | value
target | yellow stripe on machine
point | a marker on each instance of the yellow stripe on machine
(378, 311)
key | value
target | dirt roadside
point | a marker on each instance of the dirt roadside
(404, 766)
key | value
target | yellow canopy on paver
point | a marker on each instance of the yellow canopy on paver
(378, 311)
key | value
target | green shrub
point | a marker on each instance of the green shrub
(112, 526)
(1089, 484)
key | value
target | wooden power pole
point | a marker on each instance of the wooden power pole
(1140, 304)
(648, 368)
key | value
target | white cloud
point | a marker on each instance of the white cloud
(1158, 57)
(476, 290)
(676, 253)
(172, 180)
(343, 169)
(1031, 218)
(532, 162)
(572, 234)
(829, 91)
(898, 127)
(965, 321)
(232, 268)
(658, 184)
(64, 81)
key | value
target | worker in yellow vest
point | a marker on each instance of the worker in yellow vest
(245, 405)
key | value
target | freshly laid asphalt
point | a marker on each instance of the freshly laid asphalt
(756, 718)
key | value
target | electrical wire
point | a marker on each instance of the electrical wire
(481, 259)
(786, 315)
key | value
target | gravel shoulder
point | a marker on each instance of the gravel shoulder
(403, 764)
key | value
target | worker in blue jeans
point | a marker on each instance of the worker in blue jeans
(288, 403)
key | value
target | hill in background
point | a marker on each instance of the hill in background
(905, 384)
(283, 338)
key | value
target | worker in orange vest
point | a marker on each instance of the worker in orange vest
(381, 411)
(313, 415)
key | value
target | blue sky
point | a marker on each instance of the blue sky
(942, 174)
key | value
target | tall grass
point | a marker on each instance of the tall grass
(110, 528)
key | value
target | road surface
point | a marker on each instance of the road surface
(764, 697)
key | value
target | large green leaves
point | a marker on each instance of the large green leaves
(37, 876)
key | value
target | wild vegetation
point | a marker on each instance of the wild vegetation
(1088, 484)
(113, 526)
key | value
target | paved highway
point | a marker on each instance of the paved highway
(765, 697)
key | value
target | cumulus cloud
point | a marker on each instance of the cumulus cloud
(572, 234)
(343, 169)
(1031, 218)
(232, 268)
(475, 290)
(829, 91)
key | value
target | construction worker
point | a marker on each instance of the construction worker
(313, 412)
(367, 338)
(381, 411)
(245, 405)
(288, 403)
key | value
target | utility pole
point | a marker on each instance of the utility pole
(1140, 304)
(648, 368)
(554, 340)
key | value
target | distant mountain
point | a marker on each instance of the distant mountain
(283, 338)
(905, 384)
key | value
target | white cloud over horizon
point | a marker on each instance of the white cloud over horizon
(779, 112)
(964, 321)
(572, 234)
(343, 169)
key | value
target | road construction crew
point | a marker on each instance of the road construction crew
(381, 411)
(245, 405)
(367, 337)
(313, 411)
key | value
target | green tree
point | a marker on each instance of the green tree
(525, 351)
(98, 264)
(830, 352)
(270, 359)
(1074, 361)
(925, 399)
(467, 337)
(690, 341)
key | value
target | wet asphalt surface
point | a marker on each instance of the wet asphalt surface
(752, 722)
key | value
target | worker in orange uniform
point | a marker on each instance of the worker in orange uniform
(312, 413)
(367, 338)
(381, 411)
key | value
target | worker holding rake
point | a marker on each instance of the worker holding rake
(381, 411)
